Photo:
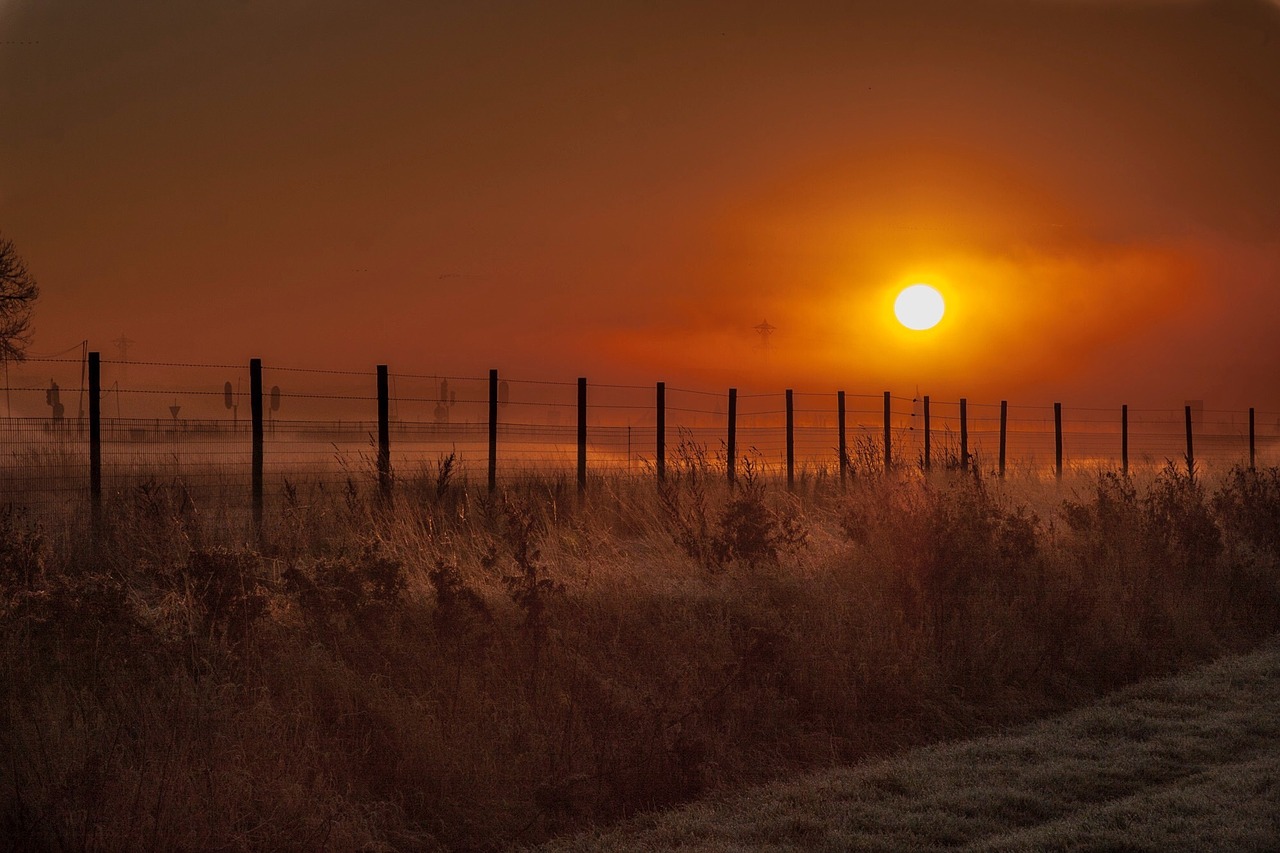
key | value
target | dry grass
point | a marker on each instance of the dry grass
(466, 671)
(1183, 763)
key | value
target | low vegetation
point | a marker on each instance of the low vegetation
(459, 670)
(1184, 763)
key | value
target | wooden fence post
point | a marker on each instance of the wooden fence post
(964, 434)
(662, 432)
(95, 445)
(843, 444)
(255, 408)
(1124, 440)
(888, 452)
(733, 432)
(791, 442)
(493, 428)
(1252, 453)
(582, 433)
(1004, 432)
(1057, 433)
(927, 462)
(1191, 454)
(384, 435)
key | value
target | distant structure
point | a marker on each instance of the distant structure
(764, 329)
(448, 399)
(122, 346)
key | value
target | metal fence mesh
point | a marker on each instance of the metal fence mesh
(190, 423)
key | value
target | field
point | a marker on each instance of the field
(454, 669)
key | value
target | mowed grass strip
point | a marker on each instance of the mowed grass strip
(1184, 763)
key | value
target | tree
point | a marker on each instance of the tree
(18, 293)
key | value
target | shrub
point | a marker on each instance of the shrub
(1179, 527)
(1247, 506)
(744, 528)
(229, 590)
(336, 592)
(749, 530)
(685, 503)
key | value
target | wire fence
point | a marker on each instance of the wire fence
(190, 423)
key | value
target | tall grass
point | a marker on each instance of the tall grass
(463, 670)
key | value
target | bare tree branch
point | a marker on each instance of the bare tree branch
(18, 293)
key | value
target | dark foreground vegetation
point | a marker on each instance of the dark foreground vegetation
(1185, 763)
(466, 671)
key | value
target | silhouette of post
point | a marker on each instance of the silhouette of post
(255, 405)
(1252, 453)
(1004, 432)
(1057, 436)
(1191, 454)
(662, 432)
(1124, 440)
(888, 453)
(927, 461)
(493, 429)
(582, 433)
(843, 444)
(791, 442)
(95, 444)
(384, 435)
(733, 432)
(964, 434)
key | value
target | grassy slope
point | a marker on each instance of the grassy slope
(1190, 763)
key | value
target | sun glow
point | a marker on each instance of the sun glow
(919, 307)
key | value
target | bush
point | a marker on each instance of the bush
(1179, 527)
(744, 528)
(1247, 506)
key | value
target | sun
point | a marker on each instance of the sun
(919, 307)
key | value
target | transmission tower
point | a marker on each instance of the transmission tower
(764, 329)
(122, 346)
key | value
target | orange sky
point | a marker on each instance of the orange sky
(625, 190)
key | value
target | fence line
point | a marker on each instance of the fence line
(400, 422)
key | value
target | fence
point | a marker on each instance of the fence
(333, 428)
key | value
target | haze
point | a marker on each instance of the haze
(624, 190)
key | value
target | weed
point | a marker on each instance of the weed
(1179, 525)
(744, 528)
(749, 530)
(339, 592)
(23, 553)
(528, 587)
(229, 592)
(445, 470)
(1248, 505)
(683, 496)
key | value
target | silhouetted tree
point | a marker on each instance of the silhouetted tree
(18, 293)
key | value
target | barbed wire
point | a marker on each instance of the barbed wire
(170, 364)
